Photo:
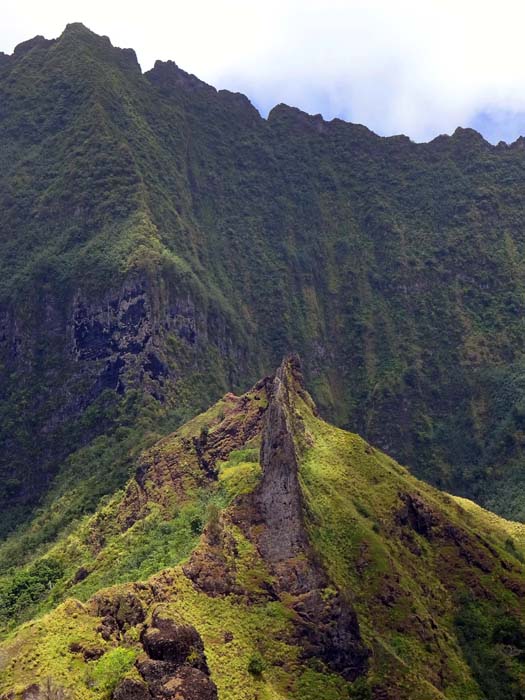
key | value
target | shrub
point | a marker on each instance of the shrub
(25, 588)
(196, 525)
(110, 668)
(509, 631)
(360, 690)
(256, 665)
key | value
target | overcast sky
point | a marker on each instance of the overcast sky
(418, 67)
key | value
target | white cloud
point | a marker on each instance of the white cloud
(419, 67)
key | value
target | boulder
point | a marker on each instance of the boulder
(166, 640)
(188, 683)
(131, 689)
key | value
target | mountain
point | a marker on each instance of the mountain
(260, 552)
(162, 244)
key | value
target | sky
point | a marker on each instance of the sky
(417, 67)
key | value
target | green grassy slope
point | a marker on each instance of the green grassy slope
(436, 583)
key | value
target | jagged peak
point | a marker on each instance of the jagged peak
(283, 112)
(77, 29)
(461, 136)
(167, 75)
(289, 377)
(467, 135)
(74, 35)
(290, 371)
(37, 42)
(316, 122)
(279, 495)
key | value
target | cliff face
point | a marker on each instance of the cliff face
(278, 498)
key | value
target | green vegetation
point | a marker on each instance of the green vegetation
(26, 587)
(162, 245)
(255, 665)
(395, 269)
(436, 582)
(495, 648)
(105, 673)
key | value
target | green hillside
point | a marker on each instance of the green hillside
(161, 244)
(262, 552)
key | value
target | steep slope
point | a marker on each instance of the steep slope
(161, 243)
(274, 556)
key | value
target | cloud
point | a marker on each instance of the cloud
(416, 67)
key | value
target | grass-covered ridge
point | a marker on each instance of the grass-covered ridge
(436, 583)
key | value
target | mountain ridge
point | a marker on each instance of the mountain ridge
(77, 29)
(388, 589)
(162, 245)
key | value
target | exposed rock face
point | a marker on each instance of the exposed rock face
(137, 336)
(171, 470)
(187, 683)
(119, 610)
(173, 666)
(90, 653)
(131, 689)
(279, 496)
(121, 333)
(168, 641)
(327, 626)
(212, 566)
(418, 515)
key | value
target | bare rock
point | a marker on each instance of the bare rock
(417, 514)
(131, 689)
(328, 628)
(154, 670)
(166, 640)
(279, 495)
(32, 692)
(80, 575)
(121, 609)
(90, 653)
(188, 683)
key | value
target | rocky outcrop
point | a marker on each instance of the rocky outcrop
(329, 629)
(163, 471)
(131, 689)
(120, 609)
(326, 624)
(121, 334)
(212, 566)
(418, 515)
(173, 664)
(278, 498)
(169, 641)
(187, 683)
